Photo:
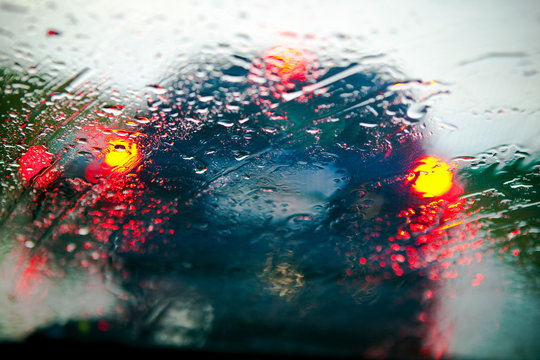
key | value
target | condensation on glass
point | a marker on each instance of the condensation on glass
(348, 178)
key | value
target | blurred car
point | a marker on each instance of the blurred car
(256, 209)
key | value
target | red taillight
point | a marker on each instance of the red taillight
(34, 162)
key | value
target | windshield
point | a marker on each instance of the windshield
(350, 178)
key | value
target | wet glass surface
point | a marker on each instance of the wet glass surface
(350, 178)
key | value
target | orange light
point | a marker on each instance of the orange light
(120, 156)
(432, 177)
(287, 63)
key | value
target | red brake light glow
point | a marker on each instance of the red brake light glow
(34, 162)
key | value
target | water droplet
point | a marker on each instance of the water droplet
(367, 124)
(52, 32)
(269, 130)
(205, 99)
(416, 111)
(142, 120)
(157, 90)
(241, 155)
(114, 110)
(227, 124)
(233, 108)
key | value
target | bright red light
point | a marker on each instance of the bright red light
(287, 63)
(33, 163)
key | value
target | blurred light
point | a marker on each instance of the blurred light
(33, 162)
(432, 177)
(120, 156)
(287, 63)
